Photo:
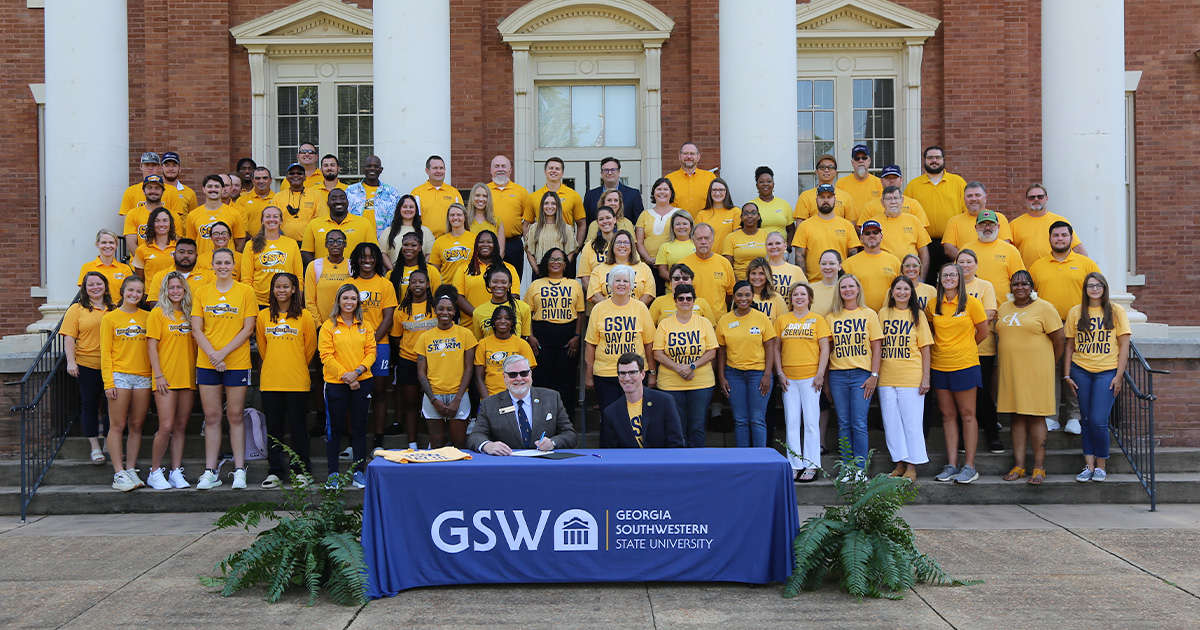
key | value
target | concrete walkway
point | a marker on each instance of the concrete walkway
(1045, 566)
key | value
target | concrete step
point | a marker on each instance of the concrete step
(90, 499)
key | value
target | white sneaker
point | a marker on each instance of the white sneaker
(122, 482)
(1073, 426)
(239, 479)
(157, 480)
(208, 481)
(133, 474)
(1052, 424)
(177, 479)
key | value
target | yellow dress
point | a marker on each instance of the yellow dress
(1026, 358)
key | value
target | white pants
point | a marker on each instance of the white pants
(903, 417)
(797, 400)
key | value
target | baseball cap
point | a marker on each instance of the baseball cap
(872, 224)
(827, 157)
(170, 156)
(986, 215)
(294, 165)
(826, 188)
(890, 169)
(154, 179)
(860, 148)
(150, 157)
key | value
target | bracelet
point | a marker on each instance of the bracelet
(160, 376)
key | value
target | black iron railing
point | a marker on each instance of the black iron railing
(1132, 420)
(47, 409)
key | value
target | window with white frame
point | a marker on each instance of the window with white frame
(345, 130)
(842, 111)
(587, 116)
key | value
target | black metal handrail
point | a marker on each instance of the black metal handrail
(47, 408)
(1132, 420)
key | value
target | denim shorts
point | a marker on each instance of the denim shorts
(228, 378)
(121, 380)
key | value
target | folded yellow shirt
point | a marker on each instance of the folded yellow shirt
(410, 456)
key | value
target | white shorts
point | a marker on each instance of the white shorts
(427, 410)
(122, 380)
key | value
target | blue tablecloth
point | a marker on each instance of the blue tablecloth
(627, 516)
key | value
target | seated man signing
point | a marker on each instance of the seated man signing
(521, 416)
(644, 418)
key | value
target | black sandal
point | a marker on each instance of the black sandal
(808, 476)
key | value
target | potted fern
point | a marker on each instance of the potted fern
(864, 543)
(316, 543)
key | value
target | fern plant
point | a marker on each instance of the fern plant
(315, 544)
(864, 543)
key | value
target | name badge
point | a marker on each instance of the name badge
(508, 409)
(734, 324)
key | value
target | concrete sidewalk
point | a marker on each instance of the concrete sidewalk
(1060, 566)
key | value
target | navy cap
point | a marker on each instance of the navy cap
(890, 169)
(872, 224)
(860, 148)
(150, 157)
(826, 188)
(170, 156)
(294, 165)
(154, 179)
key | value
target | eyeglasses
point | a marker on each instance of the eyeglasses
(628, 374)
(826, 168)
(557, 260)
(307, 151)
(518, 374)
(1035, 197)
(1089, 287)
(610, 170)
(685, 298)
(335, 241)
(680, 278)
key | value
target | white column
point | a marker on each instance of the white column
(911, 161)
(1083, 129)
(652, 166)
(758, 94)
(411, 48)
(87, 126)
(260, 122)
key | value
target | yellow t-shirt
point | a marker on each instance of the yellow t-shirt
(634, 409)
(187, 196)
(772, 307)
(205, 267)
(409, 328)
(224, 314)
(123, 344)
(983, 291)
(451, 253)
(1025, 358)
(684, 344)
(713, 280)
(852, 333)
(722, 221)
(643, 281)
(663, 307)
(201, 220)
(136, 223)
(135, 197)
(902, 235)
(474, 288)
(281, 255)
(490, 354)
(941, 201)
(1031, 236)
(656, 229)
(356, 229)
(823, 295)
(593, 227)
(286, 345)
(691, 191)
(444, 352)
(843, 205)
(555, 301)
(475, 226)
(784, 276)
(1061, 283)
(925, 294)
(345, 348)
(196, 278)
(998, 261)
(908, 205)
(508, 206)
(744, 339)
(672, 252)
(954, 346)
(1096, 350)
(116, 274)
(481, 323)
(309, 204)
(615, 330)
(176, 348)
(875, 272)
(151, 258)
(774, 215)
(744, 248)
(433, 204)
(252, 206)
(900, 363)
(960, 230)
(815, 235)
(375, 295)
(83, 326)
(572, 204)
(863, 192)
(435, 278)
(800, 343)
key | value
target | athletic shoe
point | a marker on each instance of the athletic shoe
(948, 473)
(347, 454)
(333, 482)
(177, 480)
(360, 480)
(966, 475)
(133, 474)
(1052, 424)
(157, 480)
(122, 482)
(239, 479)
(271, 482)
(1073, 426)
(208, 481)
(996, 446)
(1098, 474)
(1084, 476)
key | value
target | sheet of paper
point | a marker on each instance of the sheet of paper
(529, 452)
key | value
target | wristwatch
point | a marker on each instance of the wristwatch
(875, 374)
(692, 367)
(652, 371)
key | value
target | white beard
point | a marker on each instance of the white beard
(989, 238)
(860, 171)
(500, 181)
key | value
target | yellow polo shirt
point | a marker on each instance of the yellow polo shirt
(713, 280)
(115, 273)
(308, 204)
(433, 202)
(1031, 236)
(908, 205)
(744, 339)
(1061, 283)
(572, 204)
(151, 259)
(185, 194)
(875, 272)
(83, 326)
(902, 235)
(941, 201)
(722, 221)
(691, 191)
(356, 229)
(863, 192)
(508, 205)
(961, 229)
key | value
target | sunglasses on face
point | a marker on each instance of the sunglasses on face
(518, 374)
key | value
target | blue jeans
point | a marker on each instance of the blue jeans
(693, 405)
(1095, 404)
(846, 388)
(749, 407)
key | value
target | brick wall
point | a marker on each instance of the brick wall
(1177, 410)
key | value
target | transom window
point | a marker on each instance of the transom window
(571, 116)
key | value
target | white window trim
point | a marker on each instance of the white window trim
(647, 29)
(298, 30)
(875, 24)
(1132, 79)
(39, 97)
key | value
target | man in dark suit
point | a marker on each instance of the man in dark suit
(521, 416)
(610, 177)
(644, 418)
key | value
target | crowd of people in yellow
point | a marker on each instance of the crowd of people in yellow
(825, 302)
